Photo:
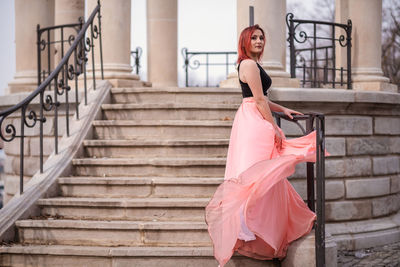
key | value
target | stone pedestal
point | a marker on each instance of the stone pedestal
(27, 15)
(301, 252)
(366, 17)
(270, 15)
(116, 38)
(162, 42)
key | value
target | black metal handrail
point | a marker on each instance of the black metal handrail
(136, 54)
(78, 50)
(310, 66)
(187, 56)
(319, 120)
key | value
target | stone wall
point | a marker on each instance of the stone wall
(363, 172)
(31, 141)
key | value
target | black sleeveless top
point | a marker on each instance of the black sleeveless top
(265, 80)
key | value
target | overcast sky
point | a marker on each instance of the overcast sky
(200, 28)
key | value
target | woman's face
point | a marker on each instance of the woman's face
(257, 42)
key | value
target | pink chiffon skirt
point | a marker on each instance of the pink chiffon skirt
(256, 211)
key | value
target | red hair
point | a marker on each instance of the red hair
(245, 42)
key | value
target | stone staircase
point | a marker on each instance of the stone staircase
(137, 197)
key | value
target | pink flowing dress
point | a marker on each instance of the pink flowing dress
(256, 211)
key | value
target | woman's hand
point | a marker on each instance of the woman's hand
(288, 112)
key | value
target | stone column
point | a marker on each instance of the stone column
(27, 15)
(116, 38)
(270, 15)
(67, 12)
(162, 42)
(366, 16)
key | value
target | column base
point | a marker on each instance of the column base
(119, 75)
(22, 82)
(375, 86)
(301, 252)
(285, 82)
(232, 81)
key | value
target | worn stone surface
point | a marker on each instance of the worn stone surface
(395, 145)
(367, 187)
(384, 256)
(348, 210)
(368, 145)
(14, 147)
(48, 146)
(348, 125)
(385, 205)
(386, 165)
(387, 125)
(336, 146)
(348, 167)
(395, 184)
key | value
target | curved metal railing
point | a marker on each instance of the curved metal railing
(187, 56)
(58, 84)
(319, 58)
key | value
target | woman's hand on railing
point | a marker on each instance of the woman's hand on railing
(288, 112)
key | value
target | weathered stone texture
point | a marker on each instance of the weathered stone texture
(14, 147)
(347, 167)
(386, 165)
(336, 146)
(348, 210)
(387, 125)
(348, 125)
(48, 146)
(395, 145)
(367, 187)
(385, 205)
(368, 145)
(395, 184)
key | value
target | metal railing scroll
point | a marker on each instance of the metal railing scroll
(319, 120)
(187, 56)
(56, 83)
(315, 55)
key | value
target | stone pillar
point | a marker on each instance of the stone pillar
(162, 42)
(366, 55)
(67, 12)
(270, 15)
(27, 15)
(116, 38)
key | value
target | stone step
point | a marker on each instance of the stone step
(162, 129)
(94, 256)
(171, 166)
(169, 111)
(113, 233)
(134, 209)
(138, 187)
(156, 148)
(176, 95)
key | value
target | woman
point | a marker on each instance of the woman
(256, 211)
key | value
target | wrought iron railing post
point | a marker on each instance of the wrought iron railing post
(291, 47)
(320, 165)
(38, 53)
(21, 151)
(100, 41)
(310, 170)
(348, 40)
